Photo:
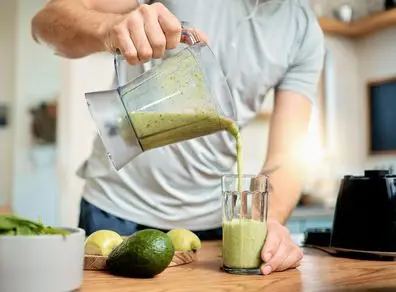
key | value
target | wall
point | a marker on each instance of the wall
(353, 64)
(372, 57)
(342, 111)
(76, 129)
(37, 79)
(30, 73)
(7, 93)
(377, 60)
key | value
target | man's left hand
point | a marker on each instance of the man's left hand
(279, 252)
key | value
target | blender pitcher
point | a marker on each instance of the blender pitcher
(184, 97)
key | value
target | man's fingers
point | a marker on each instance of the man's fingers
(170, 25)
(124, 43)
(292, 260)
(277, 259)
(279, 252)
(202, 37)
(154, 32)
(146, 33)
(271, 245)
(139, 38)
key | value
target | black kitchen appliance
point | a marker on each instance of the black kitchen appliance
(390, 4)
(364, 218)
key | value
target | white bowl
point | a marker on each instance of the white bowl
(42, 263)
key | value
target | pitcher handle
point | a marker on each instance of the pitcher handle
(189, 36)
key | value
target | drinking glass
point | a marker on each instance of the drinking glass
(244, 212)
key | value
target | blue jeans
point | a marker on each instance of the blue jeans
(92, 219)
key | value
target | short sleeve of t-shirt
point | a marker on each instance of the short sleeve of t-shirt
(303, 73)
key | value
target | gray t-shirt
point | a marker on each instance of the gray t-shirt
(179, 185)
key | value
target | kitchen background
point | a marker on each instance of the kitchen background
(39, 90)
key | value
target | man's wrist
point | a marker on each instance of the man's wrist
(282, 197)
(277, 218)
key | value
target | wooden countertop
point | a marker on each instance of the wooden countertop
(318, 272)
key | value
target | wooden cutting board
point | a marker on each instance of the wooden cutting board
(98, 263)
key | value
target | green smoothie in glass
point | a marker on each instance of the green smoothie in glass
(244, 223)
(243, 240)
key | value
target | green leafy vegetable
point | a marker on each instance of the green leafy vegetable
(14, 225)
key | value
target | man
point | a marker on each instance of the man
(280, 47)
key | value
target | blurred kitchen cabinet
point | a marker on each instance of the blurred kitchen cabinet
(304, 218)
(296, 226)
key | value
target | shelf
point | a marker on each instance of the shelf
(359, 28)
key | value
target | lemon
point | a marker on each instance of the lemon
(102, 242)
(184, 240)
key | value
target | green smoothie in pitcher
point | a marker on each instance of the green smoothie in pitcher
(157, 129)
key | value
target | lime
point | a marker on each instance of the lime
(184, 240)
(144, 254)
(102, 242)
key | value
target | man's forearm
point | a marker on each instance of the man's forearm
(285, 193)
(288, 130)
(73, 29)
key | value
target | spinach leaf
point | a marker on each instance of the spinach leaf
(7, 232)
(14, 225)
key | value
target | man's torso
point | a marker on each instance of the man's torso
(179, 185)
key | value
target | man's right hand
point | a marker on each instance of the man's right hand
(145, 33)
(78, 28)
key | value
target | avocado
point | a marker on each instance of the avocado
(144, 254)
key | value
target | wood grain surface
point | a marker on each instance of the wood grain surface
(318, 272)
(98, 263)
